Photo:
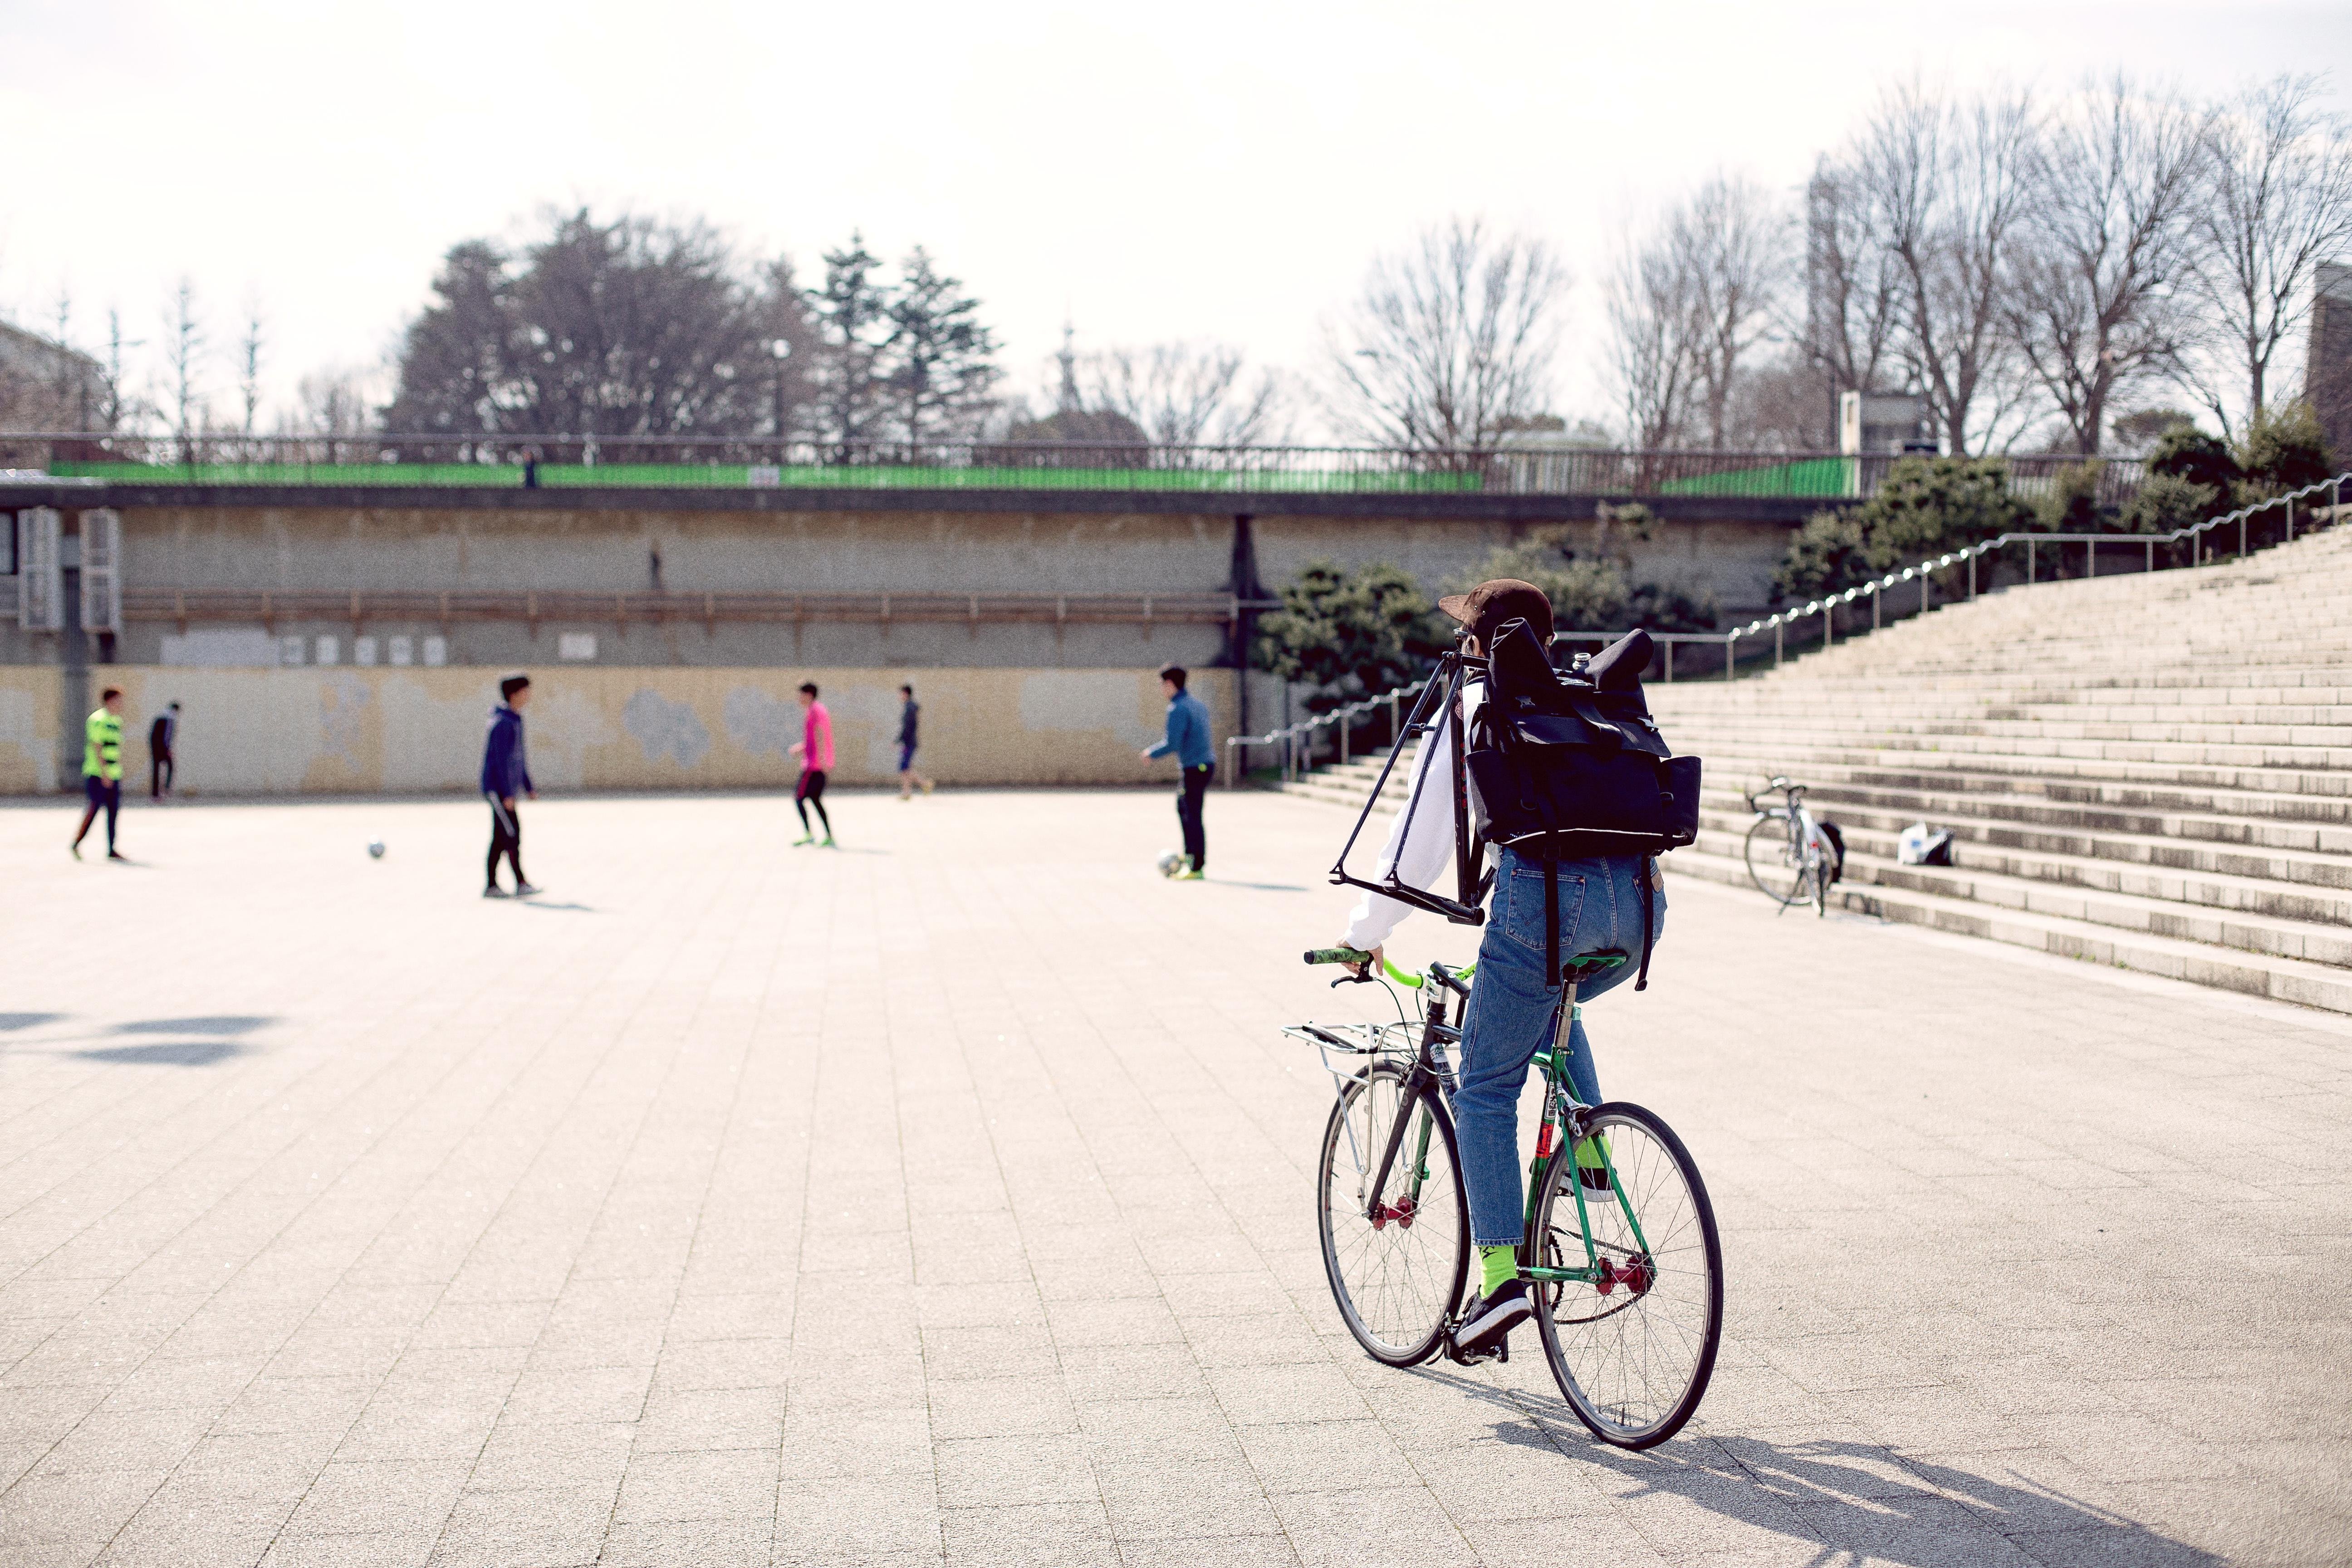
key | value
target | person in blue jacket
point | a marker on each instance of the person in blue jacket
(1196, 763)
(506, 773)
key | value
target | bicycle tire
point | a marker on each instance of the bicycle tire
(1395, 1284)
(1685, 1258)
(1775, 861)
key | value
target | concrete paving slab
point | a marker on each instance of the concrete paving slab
(949, 1201)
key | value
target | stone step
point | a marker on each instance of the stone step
(1731, 756)
(2090, 707)
(1879, 807)
(2267, 738)
(1874, 783)
(2323, 901)
(2252, 973)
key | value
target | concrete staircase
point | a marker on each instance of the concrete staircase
(2152, 771)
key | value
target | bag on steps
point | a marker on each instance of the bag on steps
(1836, 835)
(1921, 845)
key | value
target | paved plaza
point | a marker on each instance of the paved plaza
(946, 1198)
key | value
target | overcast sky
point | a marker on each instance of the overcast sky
(1208, 170)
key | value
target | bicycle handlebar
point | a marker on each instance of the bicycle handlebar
(1452, 979)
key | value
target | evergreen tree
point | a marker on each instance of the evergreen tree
(940, 358)
(852, 312)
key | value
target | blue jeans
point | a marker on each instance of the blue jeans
(1511, 1003)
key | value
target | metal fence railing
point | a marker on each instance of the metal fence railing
(573, 461)
(1297, 740)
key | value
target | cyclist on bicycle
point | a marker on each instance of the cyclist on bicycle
(1601, 907)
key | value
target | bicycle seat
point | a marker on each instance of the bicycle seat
(1590, 964)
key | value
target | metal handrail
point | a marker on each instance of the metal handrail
(1290, 735)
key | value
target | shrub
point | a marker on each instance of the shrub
(2073, 504)
(1349, 636)
(2166, 501)
(2184, 452)
(1593, 589)
(1929, 505)
(1830, 554)
(2284, 449)
(1925, 506)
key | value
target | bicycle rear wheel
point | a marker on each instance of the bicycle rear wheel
(1632, 1350)
(1775, 857)
(1396, 1271)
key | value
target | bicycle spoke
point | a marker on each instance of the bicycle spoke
(1632, 1357)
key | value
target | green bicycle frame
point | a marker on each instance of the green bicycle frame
(1556, 1100)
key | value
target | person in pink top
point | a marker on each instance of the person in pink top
(815, 751)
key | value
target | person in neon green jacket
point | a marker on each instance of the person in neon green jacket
(101, 768)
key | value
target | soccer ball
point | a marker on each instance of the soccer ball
(1173, 863)
(375, 850)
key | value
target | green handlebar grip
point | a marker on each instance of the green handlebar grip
(1335, 955)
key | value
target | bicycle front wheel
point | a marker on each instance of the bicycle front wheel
(1396, 1259)
(1776, 858)
(1633, 1346)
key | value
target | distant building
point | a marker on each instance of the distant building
(2328, 371)
(46, 387)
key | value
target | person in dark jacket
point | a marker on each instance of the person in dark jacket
(1196, 763)
(162, 735)
(506, 773)
(910, 713)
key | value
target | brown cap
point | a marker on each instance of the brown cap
(1486, 607)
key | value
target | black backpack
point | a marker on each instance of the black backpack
(1561, 767)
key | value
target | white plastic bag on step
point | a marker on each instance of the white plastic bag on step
(1921, 845)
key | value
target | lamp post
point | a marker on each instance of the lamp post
(779, 351)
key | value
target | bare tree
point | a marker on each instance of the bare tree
(183, 353)
(332, 403)
(1651, 314)
(2091, 297)
(1451, 339)
(1950, 186)
(1730, 247)
(1191, 394)
(1853, 294)
(249, 364)
(2277, 204)
(116, 407)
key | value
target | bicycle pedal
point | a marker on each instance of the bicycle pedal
(1500, 1351)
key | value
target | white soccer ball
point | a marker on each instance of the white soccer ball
(1172, 863)
(375, 850)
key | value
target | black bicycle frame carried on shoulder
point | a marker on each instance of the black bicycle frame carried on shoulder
(1440, 704)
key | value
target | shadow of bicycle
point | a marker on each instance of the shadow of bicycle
(1851, 1502)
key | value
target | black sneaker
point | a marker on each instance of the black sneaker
(1595, 1182)
(1490, 1319)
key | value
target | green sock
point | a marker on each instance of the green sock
(1498, 1264)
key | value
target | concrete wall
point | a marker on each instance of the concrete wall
(29, 731)
(1731, 560)
(607, 549)
(260, 731)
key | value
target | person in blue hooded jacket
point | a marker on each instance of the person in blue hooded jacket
(506, 773)
(1196, 763)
